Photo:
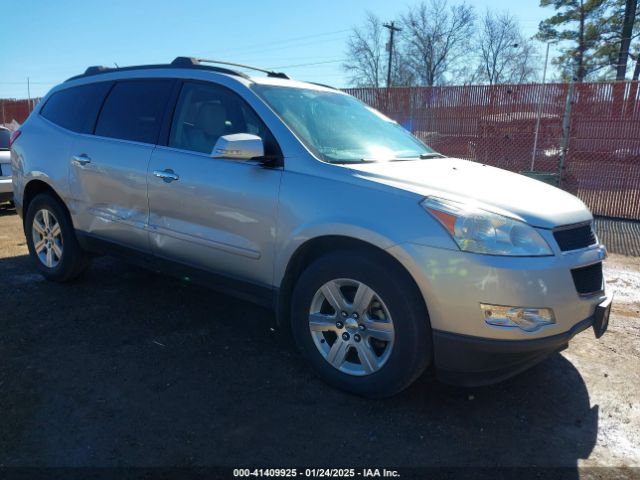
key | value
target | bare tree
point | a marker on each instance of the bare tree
(505, 55)
(526, 67)
(365, 53)
(436, 35)
(402, 75)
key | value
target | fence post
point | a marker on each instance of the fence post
(566, 127)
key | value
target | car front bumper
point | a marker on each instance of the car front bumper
(471, 361)
(469, 351)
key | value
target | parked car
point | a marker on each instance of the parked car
(6, 186)
(384, 256)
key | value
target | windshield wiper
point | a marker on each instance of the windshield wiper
(422, 156)
(359, 160)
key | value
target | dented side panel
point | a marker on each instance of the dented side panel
(109, 194)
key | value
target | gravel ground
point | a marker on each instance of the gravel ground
(129, 368)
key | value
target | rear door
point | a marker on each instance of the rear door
(108, 169)
(215, 214)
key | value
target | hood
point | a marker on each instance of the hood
(494, 189)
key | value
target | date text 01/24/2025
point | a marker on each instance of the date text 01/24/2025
(316, 472)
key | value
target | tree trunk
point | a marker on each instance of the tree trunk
(627, 28)
(633, 90)
(581, 46)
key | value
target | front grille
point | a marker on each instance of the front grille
(574, 238)
(588, 279)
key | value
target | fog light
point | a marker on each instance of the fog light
(525, 318)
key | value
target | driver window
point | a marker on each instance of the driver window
(206, 112)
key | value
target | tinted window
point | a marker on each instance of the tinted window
(206, 112)
(133, 110)
(4, 139)
(76, 108)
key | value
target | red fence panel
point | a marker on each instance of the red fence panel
(15, 110)
(496, 125)
(603, 160)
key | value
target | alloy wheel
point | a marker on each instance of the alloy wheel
(351, 326)
(47, 238)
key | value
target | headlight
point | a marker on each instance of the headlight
(480, 231)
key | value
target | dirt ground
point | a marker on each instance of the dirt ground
(130, 368)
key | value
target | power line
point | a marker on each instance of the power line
(32, 83)
(258, 51)
(308, 64)
(283, 41)
(279, 58)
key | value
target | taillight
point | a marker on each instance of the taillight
(14, 137)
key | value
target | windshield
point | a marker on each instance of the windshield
(4, 139)
(340, 129)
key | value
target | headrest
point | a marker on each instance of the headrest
(211, 119)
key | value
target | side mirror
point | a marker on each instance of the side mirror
(238, 146)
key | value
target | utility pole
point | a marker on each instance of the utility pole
(29, 93)
(392, 29)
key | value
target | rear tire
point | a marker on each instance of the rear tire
(51, 240)
(360, 321)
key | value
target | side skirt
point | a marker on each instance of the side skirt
(260, 294)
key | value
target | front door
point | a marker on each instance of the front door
(215, 214)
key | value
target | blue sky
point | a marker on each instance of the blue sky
(49, 41)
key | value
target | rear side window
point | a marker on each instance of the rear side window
(76, 108)
(4, 139)
(133, 110)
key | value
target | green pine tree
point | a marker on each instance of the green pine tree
(621, 30)
(580, 26)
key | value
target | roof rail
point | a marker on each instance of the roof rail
(183, 62)
(191, 61)
(180, 62)
(323, 85)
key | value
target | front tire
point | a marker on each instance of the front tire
(360, 321)
(51, 240)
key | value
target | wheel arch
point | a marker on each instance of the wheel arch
(35, 187)
(316, 247)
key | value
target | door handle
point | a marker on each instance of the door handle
(81, 159)
(166, 175)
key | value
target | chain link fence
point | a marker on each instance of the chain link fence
(584, 136)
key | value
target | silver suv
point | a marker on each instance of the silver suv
(384, 256)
